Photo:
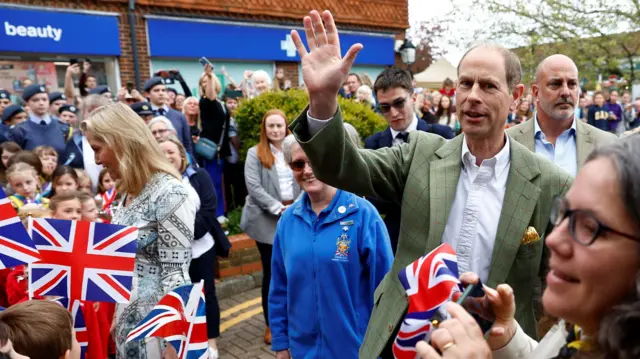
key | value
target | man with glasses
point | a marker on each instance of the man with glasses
(396, 99)
(555, 132)
(485, 195)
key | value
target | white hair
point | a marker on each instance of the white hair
(164, 120)
(287, 145)
(368, 93)
(261, 73)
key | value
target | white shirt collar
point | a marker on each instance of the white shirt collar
(500, 161)
(155, 108)
(412, 127)
(274, 150)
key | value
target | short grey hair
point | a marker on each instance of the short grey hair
(354, 137)
(164, 120)
(287, 145)
(512, 67)
(623, 153)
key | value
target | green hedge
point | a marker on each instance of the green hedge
(292, 102)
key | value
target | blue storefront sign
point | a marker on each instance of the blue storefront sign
(179, 38)
(26, 30)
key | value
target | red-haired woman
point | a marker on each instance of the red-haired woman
(271, 190)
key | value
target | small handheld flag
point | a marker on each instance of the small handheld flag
(429, 282)
(180, 318)
(16, 246)
(82, 260)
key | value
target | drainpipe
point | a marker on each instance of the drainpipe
(134, 43)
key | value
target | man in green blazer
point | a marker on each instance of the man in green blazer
(555, 132)
(480, 192)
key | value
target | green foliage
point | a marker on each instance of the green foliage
(233, 225)
(250, 112)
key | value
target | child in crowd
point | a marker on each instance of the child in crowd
(106, 192)
(84, 181)
(64, 180)
(24, 181)
(7, 150)
(49, 158)
(89, 208)
(48, 334)
(29, 158)
(66, 205)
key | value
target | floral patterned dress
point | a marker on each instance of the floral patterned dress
(165, 218)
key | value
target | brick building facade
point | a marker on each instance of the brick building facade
(382, 18)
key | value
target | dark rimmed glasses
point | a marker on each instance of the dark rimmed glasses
(298, 166)
(398, 104)
(584, 227)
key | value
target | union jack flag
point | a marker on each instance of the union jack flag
(82, 260)
(429, 282)
(78, 322)
(108, 197)
(179, 317)
(16, 247)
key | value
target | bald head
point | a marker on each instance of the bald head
(556, 89)
(557, 61)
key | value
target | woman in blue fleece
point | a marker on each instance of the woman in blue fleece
(330, 252)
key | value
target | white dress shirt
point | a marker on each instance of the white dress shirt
(473, 221)
(412, 127)
(285, 179)
(199, 246)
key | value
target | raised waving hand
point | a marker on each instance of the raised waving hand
(324, 70)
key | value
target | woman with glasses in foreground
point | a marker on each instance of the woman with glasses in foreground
(330, 252)
(593, 281)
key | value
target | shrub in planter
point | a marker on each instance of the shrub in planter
(292, 102)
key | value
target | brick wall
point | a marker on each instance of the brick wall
(244, 258)
(126, 63)
(290, 71)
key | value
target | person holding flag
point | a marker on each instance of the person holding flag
(156, 202)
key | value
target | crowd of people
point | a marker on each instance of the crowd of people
(481, 164)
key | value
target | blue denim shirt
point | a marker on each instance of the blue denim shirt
(564, 154)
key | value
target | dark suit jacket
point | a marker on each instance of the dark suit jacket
(392, 210)
(183, 132)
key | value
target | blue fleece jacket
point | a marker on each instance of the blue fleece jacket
(324, 271)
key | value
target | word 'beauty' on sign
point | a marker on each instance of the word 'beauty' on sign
(44, 32)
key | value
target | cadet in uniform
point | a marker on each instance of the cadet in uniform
(12, 115)
(143, 109)
(56, 99)
(68, 114)
(5, 100)
(156, 92)
(40, 128)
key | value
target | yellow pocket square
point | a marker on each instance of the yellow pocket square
(530, 236)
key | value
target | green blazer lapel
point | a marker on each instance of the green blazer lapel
(584, 143)
(527, 135)
(443, 180)
(520, 200)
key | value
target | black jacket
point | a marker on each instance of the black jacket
(214, 118)
(206, 220)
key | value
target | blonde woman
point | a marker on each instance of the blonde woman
(215, 124)
(191, 111)
(365, 95)
(154, 200)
